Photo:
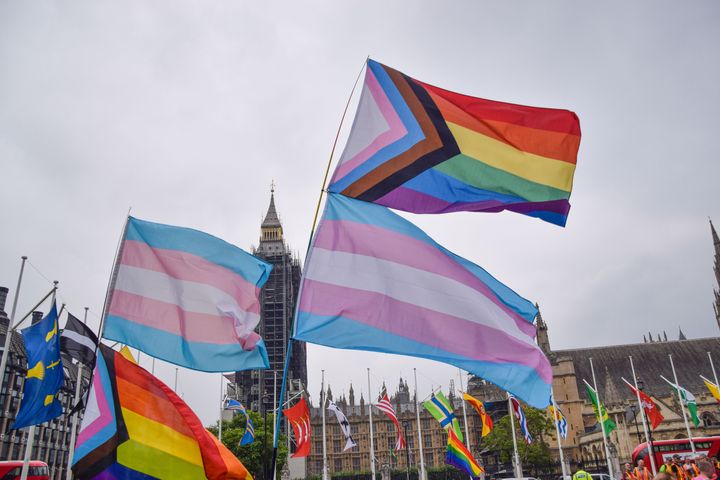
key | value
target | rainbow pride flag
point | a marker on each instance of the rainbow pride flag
(423, 149)
(459, 457)
(187, 297)
(374, 281)
(135, 427)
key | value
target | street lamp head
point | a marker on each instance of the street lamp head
(640, 384)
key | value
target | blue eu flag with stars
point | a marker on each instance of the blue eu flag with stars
(45, 373)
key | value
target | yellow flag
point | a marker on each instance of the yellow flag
(125, 352)
(713, 388)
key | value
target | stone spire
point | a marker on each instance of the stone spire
(271, 238)
(716, 245)
(351, 395)
(612, 396)
(681, 335)
(543, 340)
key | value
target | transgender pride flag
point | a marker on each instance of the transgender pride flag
(374, 281)
(187, 297)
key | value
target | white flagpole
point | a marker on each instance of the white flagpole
(221, 409)
(602, 420)
(323, 401)
(511, 411)
(682, 405)
(372, 442)
(176, 375)
(417, 415)
(31, 432)
(557, 434)
(73, 429)
(644, 420)
(467, 432)
(712, 365)
(275, 411)
(11, 326)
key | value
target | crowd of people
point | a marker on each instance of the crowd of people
(676, 468)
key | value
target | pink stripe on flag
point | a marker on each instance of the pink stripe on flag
(362, 239)
(105, 417)
(397, 129)
(189, 267)
(193, 327)
(439, 330)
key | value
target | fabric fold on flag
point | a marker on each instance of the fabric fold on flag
(652, 412)
(712, 387)
(442, 410)
(485, 418)
(299, 417)
(344, 425)
(187, 297)
(374, 281)
(460, 457)
(423, 149)
(558, 417)
(78, 341)
(135, 427)
(522, 420)
(45, 373)
(386, 407)
(688, 399)
(601, 413)
(249, 434)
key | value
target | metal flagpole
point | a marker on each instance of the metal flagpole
(467, 432)
(557, 434)
(644, 420)
(176, 375)
(323, 401)
(275, 411)
(682, 406)
(31, 432)
(713, 368)
(417, 414)
(602, 420)
(511, 412)
(73, 429)
(8, 332)
(372, 442)
(152, 369)
(222, 402)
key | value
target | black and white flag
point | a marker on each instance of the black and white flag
(78, 341)
(344, 425)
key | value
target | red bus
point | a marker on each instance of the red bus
(10, 470)
(664, 449)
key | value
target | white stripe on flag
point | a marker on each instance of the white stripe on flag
(427, 290)
(78, 338)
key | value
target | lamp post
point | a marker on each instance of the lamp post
(265, 398)
(407, 450)
(635, 411)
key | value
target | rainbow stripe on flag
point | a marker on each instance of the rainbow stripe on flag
(188, 298)
(374, 281)
(459, 457)
(135, 427)
(423, 149)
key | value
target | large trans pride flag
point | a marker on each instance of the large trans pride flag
(136, 428)
(374, 281)
(423, 149)
(187, 297)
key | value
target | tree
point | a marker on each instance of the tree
(252, 455)
(536, 453)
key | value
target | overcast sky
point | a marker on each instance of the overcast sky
(187, 110)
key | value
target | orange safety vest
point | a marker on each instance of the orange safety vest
(643, 474)
(676, 470)
(694, 469)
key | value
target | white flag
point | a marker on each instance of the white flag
(344, 425)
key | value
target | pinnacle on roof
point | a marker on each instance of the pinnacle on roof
(681, 336)
(716, 239)
(271, 218)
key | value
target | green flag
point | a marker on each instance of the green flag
(440, 408)
(601, 415)
(688, 399)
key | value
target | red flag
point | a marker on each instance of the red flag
(385, 406)
(651, 410)
(299, 417)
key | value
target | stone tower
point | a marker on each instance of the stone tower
(716, 291)
(278, 297)
(543, 340)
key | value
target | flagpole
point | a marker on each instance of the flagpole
(176, 375)
(467, 432)
(682, 406)
(602, 420)
(275, 411)
(372, 442)
(713, 368)
(644, 420)
(557, 434)
(31, 432)
(73, 429)
(10, 327)
(221, 409)
(420, 443)
(511, 412)
(323, 401)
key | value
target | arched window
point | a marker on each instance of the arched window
(709, 419)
